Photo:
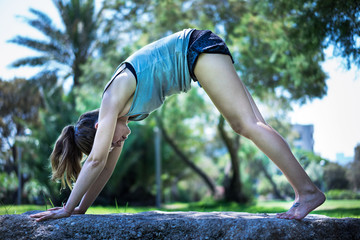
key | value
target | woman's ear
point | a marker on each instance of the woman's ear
(96, 125)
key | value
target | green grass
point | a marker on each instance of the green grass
(331, 208)
(18, 209)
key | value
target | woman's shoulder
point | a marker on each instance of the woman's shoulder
(120, 89)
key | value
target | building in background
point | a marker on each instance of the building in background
(342, 159)
(304, 137)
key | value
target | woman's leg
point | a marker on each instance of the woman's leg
(219, 79)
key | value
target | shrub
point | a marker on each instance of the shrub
(337, 194)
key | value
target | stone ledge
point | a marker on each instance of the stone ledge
(179, 225)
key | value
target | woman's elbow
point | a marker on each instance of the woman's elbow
(96, 163)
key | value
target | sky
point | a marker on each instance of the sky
(336, 117)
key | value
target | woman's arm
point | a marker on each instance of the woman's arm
(113, 103)
(100, 182)
(96, 161)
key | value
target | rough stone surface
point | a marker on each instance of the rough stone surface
(179, 225)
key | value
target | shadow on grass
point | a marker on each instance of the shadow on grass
(340, 212)
(251, 208)
(224, 207)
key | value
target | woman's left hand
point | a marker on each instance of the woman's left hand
(52, 213)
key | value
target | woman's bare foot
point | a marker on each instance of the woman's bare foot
(303, 205)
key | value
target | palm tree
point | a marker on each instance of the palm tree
(65, 49)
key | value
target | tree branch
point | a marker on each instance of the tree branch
(208, 181)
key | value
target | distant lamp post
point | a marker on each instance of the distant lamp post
(19, 176)
(19, 139)
(157, 141)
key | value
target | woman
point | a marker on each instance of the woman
(138, 87)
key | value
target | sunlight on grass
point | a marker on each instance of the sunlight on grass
(119, 209)
(16, 209)
(331, 208)
(329, 204)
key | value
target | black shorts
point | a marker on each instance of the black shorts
(204, 41)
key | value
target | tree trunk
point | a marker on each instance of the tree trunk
(208, 181)
(174, 190)
(357, 153)
(268, 176)
(77, 72)
(232, 183)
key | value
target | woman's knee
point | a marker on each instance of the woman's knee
(239, 127)
(246, 129)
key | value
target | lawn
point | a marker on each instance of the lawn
(331, 208)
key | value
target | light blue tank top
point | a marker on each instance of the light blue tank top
(162, 70)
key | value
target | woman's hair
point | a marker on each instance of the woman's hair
(69, 148)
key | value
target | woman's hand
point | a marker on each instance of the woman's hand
(77, 210)
(53, 213)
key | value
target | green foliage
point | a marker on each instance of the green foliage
(8, 185)
(52, 119)
(321, 23)
(185, 118)
(353, 171)
(335, 176)
(270, 59)
(332, 22)
(96, 73)
(306, 158)
(265, 176)
(339, 194)
(20, 103)
(33, 189)
(313, 165)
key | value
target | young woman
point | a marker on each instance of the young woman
(138, 87)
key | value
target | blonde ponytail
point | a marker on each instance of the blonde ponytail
(65, 158)
(69, 148)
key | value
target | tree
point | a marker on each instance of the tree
(19, 108)
(335, 176)
(332, 22)
(183, 156)
(63, 50)
(232, 183)
(57, 112)
(353, 172)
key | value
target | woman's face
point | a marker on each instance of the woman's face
(121, 133)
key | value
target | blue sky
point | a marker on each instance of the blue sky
(336, 117)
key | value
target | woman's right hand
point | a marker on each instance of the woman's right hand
(77, 210)
(53, 213)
